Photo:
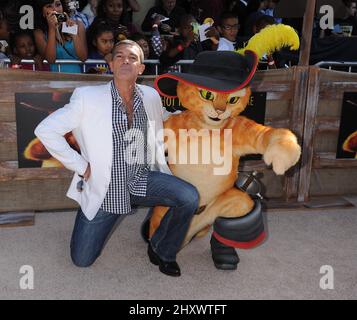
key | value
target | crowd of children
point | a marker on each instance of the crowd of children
(82, 30)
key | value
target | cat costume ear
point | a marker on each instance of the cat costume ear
(228, 71)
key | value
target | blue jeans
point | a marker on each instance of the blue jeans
(89, 237)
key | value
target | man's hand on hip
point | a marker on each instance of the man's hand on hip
(86, 174)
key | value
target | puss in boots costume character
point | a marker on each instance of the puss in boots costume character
(214, 92)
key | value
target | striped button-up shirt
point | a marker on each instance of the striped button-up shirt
(129, 169)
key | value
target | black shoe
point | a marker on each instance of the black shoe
(170, 268)
(224, 257)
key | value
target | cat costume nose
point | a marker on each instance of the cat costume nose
(220, 108)
(220, 103)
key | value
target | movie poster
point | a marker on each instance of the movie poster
(31, 109)
(347, 140)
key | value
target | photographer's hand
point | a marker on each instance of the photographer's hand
(80, 42)
(86, 174)
(52, 20)
(212, 32)
(70, 23)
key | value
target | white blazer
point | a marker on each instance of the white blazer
(89, 116)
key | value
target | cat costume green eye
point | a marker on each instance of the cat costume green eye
(207, 95)
(233, 100)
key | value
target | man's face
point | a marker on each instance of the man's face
(229, 29)
(114, 9)
(126, 64)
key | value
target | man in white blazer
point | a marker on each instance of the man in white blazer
(113, 123)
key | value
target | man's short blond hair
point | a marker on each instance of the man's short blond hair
(129, 43)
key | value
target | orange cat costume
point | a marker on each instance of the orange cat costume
(214, 92)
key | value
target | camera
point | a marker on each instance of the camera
(61, 17)
(73, 5)
(3, 46)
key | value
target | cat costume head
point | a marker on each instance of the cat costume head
(226, 72)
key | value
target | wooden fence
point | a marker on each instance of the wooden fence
(321, 174)
(305, 99)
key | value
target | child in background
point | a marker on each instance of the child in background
(269, 11)
(52, 43)
(131, 7)
(141, 40)
(70, 6)
(23, 48)
(187, 45)
(4, 27)
(100, 45)
(228, 28)
(271, 59)
(166, 9)
(158, 43)
(114, 13)
(255, 9)
(90, 10)
(4, 35)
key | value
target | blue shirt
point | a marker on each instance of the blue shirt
(66, 52)
(102, 68)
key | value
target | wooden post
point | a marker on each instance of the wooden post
(297, 114)
(309, 132)
(308, 25)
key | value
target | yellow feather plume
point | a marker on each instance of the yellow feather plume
(271, 39)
